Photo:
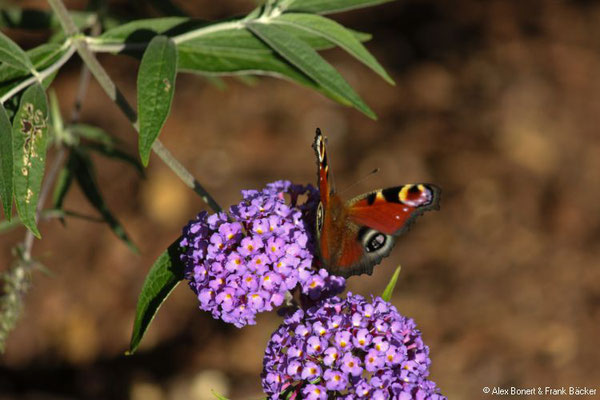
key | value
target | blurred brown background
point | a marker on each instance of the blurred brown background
(498, 102)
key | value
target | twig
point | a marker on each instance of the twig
(115, 95)
(84, 82)
(84, 78)
(82, 87)
(184, 174)
(91, 218)
(97, 45)
(41, 76)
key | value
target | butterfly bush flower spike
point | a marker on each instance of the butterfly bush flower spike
(348, 349)
(245, 263)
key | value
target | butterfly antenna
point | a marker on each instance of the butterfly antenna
(376, 170)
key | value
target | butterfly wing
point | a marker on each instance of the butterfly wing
(374, 221)
(391, 211)
(353, 237)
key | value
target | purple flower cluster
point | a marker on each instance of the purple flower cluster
(245, 262)
(348, 349)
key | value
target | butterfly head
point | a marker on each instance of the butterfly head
(319, 146)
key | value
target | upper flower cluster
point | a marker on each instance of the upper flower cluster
(348, 349)
(245, 263)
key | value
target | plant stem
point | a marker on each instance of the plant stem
(99, 45)
(115, 95)
(39, 77)
(84, 80)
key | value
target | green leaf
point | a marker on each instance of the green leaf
(81, 166)
(93, 133)
(11, 54)
(303, 57)
(317, 41)
(104, 144)
(335, 33)
(144, 29)
(329, 6)
(110, 151)
(217, 82)
(237, 51)
(30, 137)
(61, 187)
(389, 289)
(156, 85)
(218, 396)
(29, 18)
(6, 226)
(16, 17)
(225, 48)
(167, 7)
(6, 163)
(56, 122)
(163, 277)
(41, 57)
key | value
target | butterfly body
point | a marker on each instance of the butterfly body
(356, 235)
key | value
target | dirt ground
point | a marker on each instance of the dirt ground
(497, 102)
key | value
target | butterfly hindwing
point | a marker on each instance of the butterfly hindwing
(368, 246)
(374, 220)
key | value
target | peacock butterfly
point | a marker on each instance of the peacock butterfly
(353, 236)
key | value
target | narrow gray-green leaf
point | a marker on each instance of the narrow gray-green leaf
(335, 33)
(317, 41)
(56, 121)
(30, 18)
(167, 7)
(329, 6)
(6, 163)
(165, 274)
(11, 54)
(156, 85)
(93, 133)
(6, 226)
(218, 396)
(144, 29)
(223, 48)
(30, 138)
(389, 289)
(303, 57)
(238, 51)
(42, 57)
(104, 144)
(82, 168)
(111, 151)
(61, 187)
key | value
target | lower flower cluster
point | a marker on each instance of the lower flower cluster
(245, 263)
(348, 349)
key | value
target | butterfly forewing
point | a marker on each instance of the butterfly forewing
(392, 210)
